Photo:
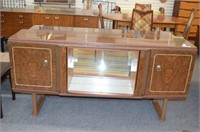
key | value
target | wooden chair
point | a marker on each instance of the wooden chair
(120, 24)
(186, 31)
(143, 7)
(3, 41)
(100, 15)
(117, 9)
(162, 11)
(142, 20)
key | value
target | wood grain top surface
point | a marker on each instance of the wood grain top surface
(101, 38)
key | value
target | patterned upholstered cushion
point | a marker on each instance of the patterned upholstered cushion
(143, 7)
(142, 20)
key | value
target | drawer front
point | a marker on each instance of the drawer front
(186, 13)
(47, 19)
(195, 21)
(22, 22)
(61, 20)
(6, 18)
(180, 28)
(6, 15)
(189, 5)
(27, 16)
(37, 19)
(86, 21)
(6, 22)
(6, 31)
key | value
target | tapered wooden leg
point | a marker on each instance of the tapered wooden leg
(161, 112)
(37, 104)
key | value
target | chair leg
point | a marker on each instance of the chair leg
(2, 44)
(13, 94)
(1, 107)
(1, 111)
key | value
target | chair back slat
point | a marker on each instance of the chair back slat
(189, 24)
(100, 15)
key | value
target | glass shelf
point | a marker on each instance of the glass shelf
(102, 71)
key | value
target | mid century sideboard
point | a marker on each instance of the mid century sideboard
(69, 61)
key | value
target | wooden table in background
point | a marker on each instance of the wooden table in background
(158, 21)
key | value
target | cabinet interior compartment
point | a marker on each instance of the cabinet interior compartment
(93, 71)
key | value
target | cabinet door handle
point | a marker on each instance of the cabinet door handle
(21, 16)
(2, 21)
(45, 63)
(47, 17)
(85, 19)
(56, 17)
(21, 22)
(158, 68)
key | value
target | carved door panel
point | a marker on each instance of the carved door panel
(33, 67)
(169, 73)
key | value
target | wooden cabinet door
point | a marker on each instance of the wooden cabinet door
(33, 67)
(170, 73)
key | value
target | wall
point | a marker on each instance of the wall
(129, 4)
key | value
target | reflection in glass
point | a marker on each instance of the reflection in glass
(102, 71)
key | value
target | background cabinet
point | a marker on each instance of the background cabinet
(12, 22)
(182, 8)
(169, 73)
(34, 67)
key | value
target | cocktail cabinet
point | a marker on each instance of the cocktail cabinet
(101, 63)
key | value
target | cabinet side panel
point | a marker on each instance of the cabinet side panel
(62, 69)
(142, 73)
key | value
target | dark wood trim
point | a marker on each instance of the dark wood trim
(176, 10)
(196, 43)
